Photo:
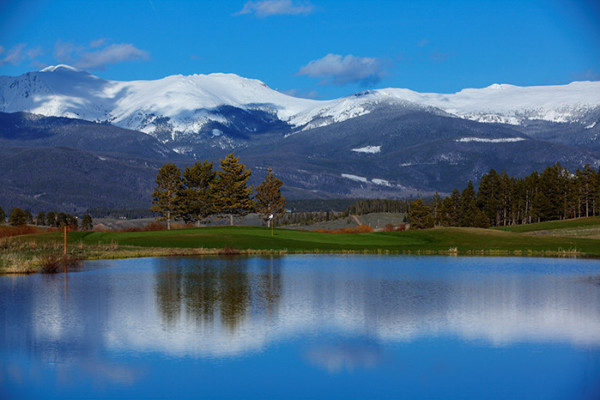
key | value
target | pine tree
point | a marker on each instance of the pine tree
(269, 200)
(231, 193)
(40, 219)
(28, 217)
(505, 197)
(86, 223)
(51, 218)
(468, 207)
(197, 197)
(62, 220)
(481, 220)
(436, 204)
(17, 217)
(488, 196)
(541, 208)
(419, 215)
(2, 216)
(166, 195)
(587, 188)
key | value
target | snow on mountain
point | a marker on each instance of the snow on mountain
(191, 104)
(508, 103)
(187, 101)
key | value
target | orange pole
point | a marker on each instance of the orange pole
(65, 240)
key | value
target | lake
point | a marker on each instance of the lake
(304, 327)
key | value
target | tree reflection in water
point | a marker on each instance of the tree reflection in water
(227, 288)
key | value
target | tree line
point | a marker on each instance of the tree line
(19, 217)
(369, 206)
(502, 200)
(200, 192)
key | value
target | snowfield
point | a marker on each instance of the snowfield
(368, 149)
(186, 104)
(486, 140)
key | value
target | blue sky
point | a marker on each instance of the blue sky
(316, 48)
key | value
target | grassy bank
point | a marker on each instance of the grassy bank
(25, 253)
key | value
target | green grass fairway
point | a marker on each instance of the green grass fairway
(570, 224)
(580, 237)
(432, 241)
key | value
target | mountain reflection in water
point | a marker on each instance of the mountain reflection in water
(241, 304)
(217, 307)
(324, 326)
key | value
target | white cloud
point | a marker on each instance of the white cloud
(34, 52)
(267, 8)
(98, 43)
(99, 58)
(340, 70)
(15, 55)
(19, 53)
(113, 54)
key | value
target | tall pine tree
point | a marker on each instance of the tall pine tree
(197, 197)
(166, 198)
(269, 200)
(231, 192)
(419, 215)
(468, 207)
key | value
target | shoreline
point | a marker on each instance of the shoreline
(145, 252)
(35, 252)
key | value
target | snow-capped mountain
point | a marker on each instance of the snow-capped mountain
(218, 109)
(185, 103)
(377, 143)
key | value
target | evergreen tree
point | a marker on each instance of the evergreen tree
(51, 218)
(541, 209)
(437, 206)
(166, 198)
(197, 197)
(549, 184)
(451, 209)
(481, 220)
(419, 215)
(86, 223)
(488, 196)
(62, 220)
(2, 216)
(17, 217)
(587, 188)
(505, 197)
(596, 197)
(468, 207)
(269, 200)
(448, 212)
(72, 222)
(40, 219)
(231, 192)
(28, 217)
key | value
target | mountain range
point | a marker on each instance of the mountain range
(71, 140)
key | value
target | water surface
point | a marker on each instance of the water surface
(304, 327)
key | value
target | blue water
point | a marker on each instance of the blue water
(304, 327)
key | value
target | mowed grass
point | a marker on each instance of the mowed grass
(431, 241)
(25, 254)
(579, 228)
(569, 224)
